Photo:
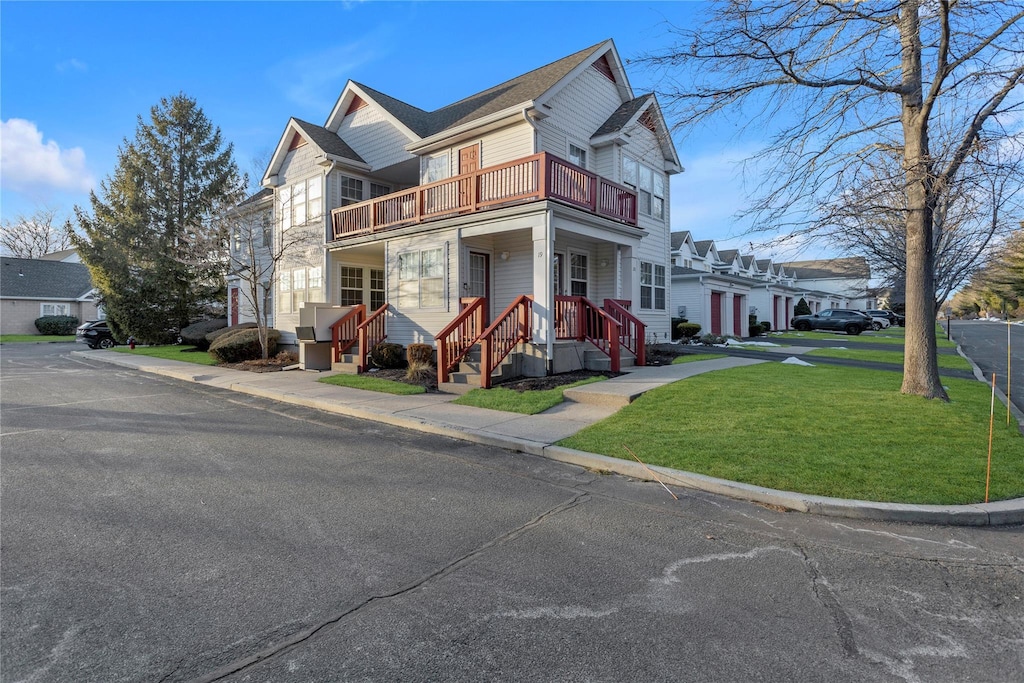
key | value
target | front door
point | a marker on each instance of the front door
(479, 274)
(469, 162)
(234, 305)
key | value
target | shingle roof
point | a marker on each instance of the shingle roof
(327, 141)
(679, 238)
(747, 261)
(37, 279)
(728, 255)
(265, 192)
(853, 266)
(680, 270)
(524, 88)
(703, 246)
(622, 115)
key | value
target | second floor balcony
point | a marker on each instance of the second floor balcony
(538, 177)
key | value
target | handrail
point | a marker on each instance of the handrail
(539, 176)
(344, 331)
(513, 326)
(371, 331)
(633, 335)
(459, 336)
(577, 317)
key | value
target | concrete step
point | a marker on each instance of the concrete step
(457, 387)
(349, 364)
(594, 359)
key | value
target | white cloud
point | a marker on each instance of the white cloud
(315, 80)
(27, 164)
(72, 65)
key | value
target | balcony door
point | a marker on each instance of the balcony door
(469, 162)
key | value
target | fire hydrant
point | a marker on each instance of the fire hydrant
(131, 342)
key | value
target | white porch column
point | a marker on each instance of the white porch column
(543, 285)
(705, 311)
(728, 326)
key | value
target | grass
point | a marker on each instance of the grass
(694, 357)
(892, 335)
(824, 430)
(525, 402)
(30, 338)
(369, 383)
(947, 361)
(187, 354)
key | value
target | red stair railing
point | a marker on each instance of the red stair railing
(513, 326)
(633, 332)
(345, 331)
(459, 336)
(371, 332)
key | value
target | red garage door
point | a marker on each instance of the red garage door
(716, 313)
(738, 328)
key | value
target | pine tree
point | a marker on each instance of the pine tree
(155, 242)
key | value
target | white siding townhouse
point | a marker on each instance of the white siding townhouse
(529, 219)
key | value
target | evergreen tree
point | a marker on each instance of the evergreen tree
(802, 307)
(155, 242)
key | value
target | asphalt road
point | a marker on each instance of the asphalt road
(154, 530)
(986, 344)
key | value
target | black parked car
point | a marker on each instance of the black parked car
(894, 318)
(95, 333)
(833, 319)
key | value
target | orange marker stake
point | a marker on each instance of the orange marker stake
(991, 422)
(1007, 373)
(652, 472)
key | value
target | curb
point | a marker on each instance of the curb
(980, 376)
(1002, 513)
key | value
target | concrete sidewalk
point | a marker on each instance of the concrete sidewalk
(538, 434)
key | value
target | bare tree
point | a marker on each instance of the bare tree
(256, 252)
(842, 83)
(36, 235)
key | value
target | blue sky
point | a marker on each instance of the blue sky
(74, 77)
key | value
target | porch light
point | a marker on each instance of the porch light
(504, 255)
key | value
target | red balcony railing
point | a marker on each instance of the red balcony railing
(541, 176)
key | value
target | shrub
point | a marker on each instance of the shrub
(420, 371)
(243, 345)
(766, 326)
(802, 307)
(711, 340)
(419, 353)
(387, 356)
(756, 330)
(195, 334)
(676, 334)
(217, 334)
(688, 330)
(57, 324)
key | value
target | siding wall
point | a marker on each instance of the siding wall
(687, 293)
(416, 324)
(18, 316)
(369, 132)
(496, 147)
(576, 111)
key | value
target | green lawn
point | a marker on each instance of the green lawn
(19, 338)
(891, 335)
(370, 383)
(693, 357)
(824, 430)
(188, 354)
(525, 402)
(948, 361)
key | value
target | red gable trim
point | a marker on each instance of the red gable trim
(297, 141)
(647, 121)
(605, 68)
(357, 104)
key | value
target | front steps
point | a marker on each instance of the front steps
(594, 359)
(467, 377)
(349, 364)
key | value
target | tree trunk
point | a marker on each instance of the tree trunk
(920, 361)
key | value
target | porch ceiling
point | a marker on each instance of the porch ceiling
(372, 250)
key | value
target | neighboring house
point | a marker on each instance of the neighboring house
(32, 288)
(720, 289)
(844, 276)
(65, 255)
(251, 228)
(538, 208)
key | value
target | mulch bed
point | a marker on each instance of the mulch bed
(516, 384)
(663, 354)
(275, 364)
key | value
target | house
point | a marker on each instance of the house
(32, 288)
(251, 233)
(721, 289)
(529, 219)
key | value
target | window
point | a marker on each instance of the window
(578, 274)
(577, 155)
(299, 285)
(421, 278)
(378, 190)
(54, 309)
(652, 286)
(351, 190)
(300, 202)
(648, 184)
(351, 286)
(378, 295)
(436, 168)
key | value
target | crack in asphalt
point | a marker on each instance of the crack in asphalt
(823, 593)
(305, 634)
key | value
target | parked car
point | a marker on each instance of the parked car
(833, 319)
(95, 333)
(894, 318)
(878, 322)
